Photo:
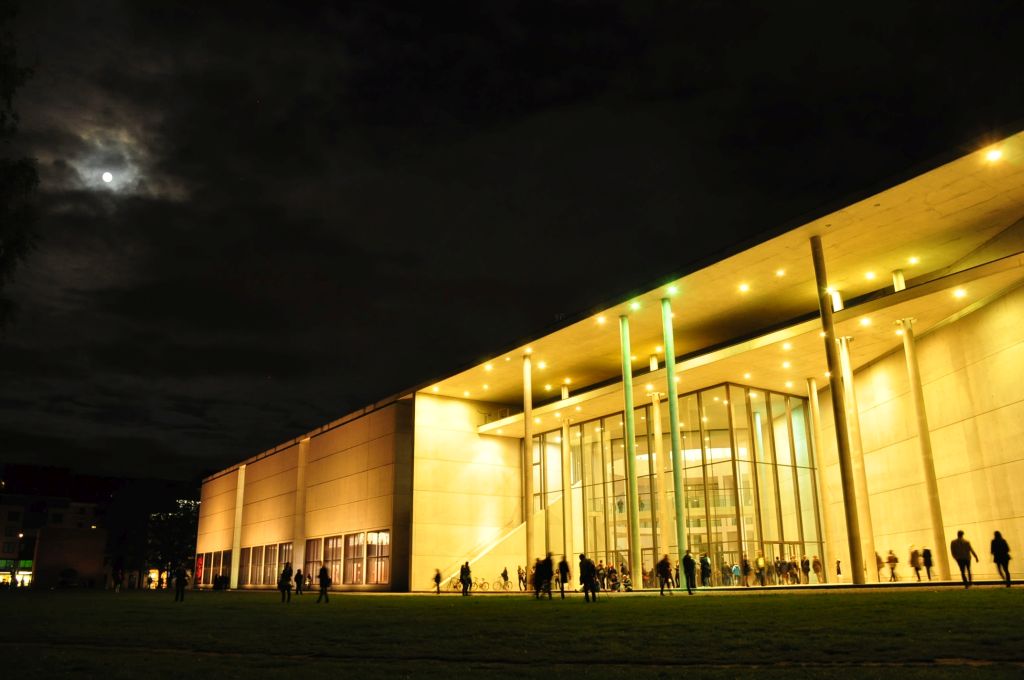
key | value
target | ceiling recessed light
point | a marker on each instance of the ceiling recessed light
(822, 334)
(536, 421)
(579, 408)
(601, 319)
(632, 357)
(500, 430)
(744, 287)
(557, 414)
(659, 349)
(753, 395)
(486, 387)
(567, 381)
(870, 276)
(488, 367)
(787, 346)
(789, 384)
(780, 272)
(547, 388)
(899, 331)
(993, 155)
(672, 290)
(508, 358)
(435, 388)
(913, 259)
(465, 393)
(634, 305)
(786, 364)
(528, 350)
(865, 321)
(542, 365)
(746, 376)
(649, 387)
(959, 293)
(828, 374)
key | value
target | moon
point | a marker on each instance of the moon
(108, 178)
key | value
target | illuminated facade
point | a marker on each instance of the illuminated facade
(845, 388)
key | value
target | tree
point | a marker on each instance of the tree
(171, 537)
(19, 178)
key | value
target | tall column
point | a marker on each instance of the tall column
(299, 524)
(838, 413)
(828, 556)
(635, 563)
(668, 339)
(528, 455)
(860, 476)
(566, 493)
(924, 439)
(659, 468)
(236, 533)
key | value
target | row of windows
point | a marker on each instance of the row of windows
(351, 559)
(261, 565)
(212, 564)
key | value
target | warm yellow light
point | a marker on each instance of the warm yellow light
(786, 364)
(746, 376)
(865, 321)
(828, 374)
(993, 155)
(632, 357)
(542, 365)
(567, 381)
(435, 388)
(753, 395)
(536, 421)
(822, 334)
(547, 388)
(528, 350)
(500, 430)
(557, 414)
(899, 331)
(649, 387)
(465, 393)
(634, 305)
(672, 290)
(959, 293)
(601, 319)
(870, 276)
(744, 287)
(486, 387)
(787, 346)
(704, 419)
(780, 272)
(913, 259)
(579, 408)
(789, 384)
(659, 349)
(676, 379)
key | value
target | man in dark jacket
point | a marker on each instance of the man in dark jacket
(466, 578)
(1001, 555)
(689, 571)
(588, 577)
(962, 551)
(284, 584)
(180, 579)
(563, 575)
(325, 582)
(664, 569)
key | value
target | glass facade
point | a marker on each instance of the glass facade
(748, 477)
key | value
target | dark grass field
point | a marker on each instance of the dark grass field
(908, 633)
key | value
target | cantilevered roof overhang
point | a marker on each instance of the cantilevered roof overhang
(949, 228)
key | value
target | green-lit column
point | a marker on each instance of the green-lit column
(635, 563)
(528, 455)
(673, 423)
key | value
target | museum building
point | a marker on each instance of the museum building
(846, 387)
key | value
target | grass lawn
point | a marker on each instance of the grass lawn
(909, 633)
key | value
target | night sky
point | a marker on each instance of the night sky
(314, 207)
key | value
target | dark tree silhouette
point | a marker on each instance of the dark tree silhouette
(18, 176)
(171, 536)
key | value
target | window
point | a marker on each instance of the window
(269, 565)
(378, 557)
(332, 557)
(208, 568)
(314, 556)
(225, 569)
(284, 554)
(243, 566)
(354, 555)
(256, 566)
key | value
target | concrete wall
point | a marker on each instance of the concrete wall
(972, 372)
(467, 493)
(358, 478)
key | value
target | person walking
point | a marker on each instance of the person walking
(892, 561)
(962, 551)
(915, 562)
(817, 567)
(689, 572)
(926, 561)
(759, 567)
(284, 583)
(805, 569)
(300, 581)
(547, 572)
(324, 577)
(504, 578)
(465, 578)
(1001, 556)
(664, 570)
(588, 577)
(437, 581)
(180, 579)
(522, 578)
(745, 571)
(563, 575)
(705, 571)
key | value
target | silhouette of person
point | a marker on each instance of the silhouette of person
(892, 561)
(465, 578)
(300, 581)
(284, 583)
(180, 579)
(437, 581)
(563, 575)
(588, 577)
(926, 560)
(664, 569)
(1001, 556)
(915, 562)
(522, 577)
(324, 577)
(504, 577)
(689, 572)
(961, 550)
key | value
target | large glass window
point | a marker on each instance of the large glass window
(256, 566)
(243, 566)
(378, 557)
(269, 565)
(333, 557)
(314, 558)
(354, 555)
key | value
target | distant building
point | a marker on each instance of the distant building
(864, 398)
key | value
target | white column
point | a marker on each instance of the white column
(660, 468)
(528, 456)
(924, 439)
(299, 524)
(860, 477)
(567, 549)
(236, 534)
(824, 501)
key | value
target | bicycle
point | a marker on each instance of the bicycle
(502, 584)
(480, 584)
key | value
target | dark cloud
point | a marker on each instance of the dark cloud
(315, 206)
